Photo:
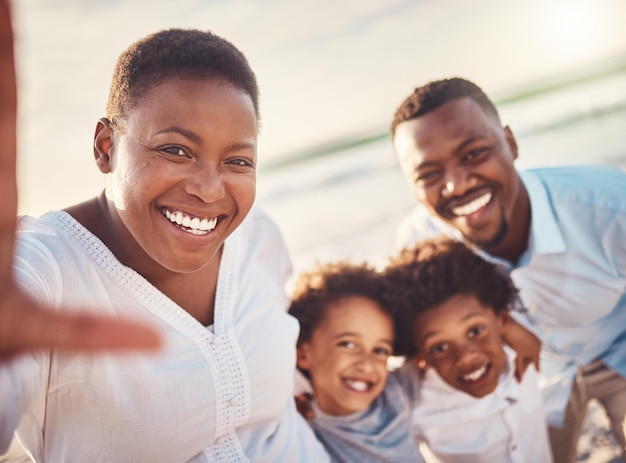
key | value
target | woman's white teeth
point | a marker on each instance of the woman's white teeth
(472, 206)
(194, 225)
(473, 376)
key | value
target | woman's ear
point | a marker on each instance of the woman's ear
(102, 145)
(303, 356)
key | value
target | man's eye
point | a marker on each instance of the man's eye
(476, 154)
(427, 177)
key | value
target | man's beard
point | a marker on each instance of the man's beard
(492, 243)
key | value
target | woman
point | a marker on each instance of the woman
(174, 241)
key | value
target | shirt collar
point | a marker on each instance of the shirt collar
(545, 234)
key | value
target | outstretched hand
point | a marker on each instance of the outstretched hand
(24, 324)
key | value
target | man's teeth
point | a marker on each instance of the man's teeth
(193, 225)
(475, 374)
(472, 206)
(357, 385)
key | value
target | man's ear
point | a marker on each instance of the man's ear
(103, 145)
(510, 139)
(503, 317)
(304, 356)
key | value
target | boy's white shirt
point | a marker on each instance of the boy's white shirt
(506, 426)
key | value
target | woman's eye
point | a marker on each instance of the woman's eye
(174, 150)
(239, 162)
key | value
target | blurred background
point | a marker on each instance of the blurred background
(331, 74)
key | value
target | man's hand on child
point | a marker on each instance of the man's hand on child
(526, 345)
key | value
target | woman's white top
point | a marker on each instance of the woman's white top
(219, 395)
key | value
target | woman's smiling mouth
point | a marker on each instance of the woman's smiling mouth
(189, 223)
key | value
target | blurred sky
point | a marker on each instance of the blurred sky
(327, 69)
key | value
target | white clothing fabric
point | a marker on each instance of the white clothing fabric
(221, 396)
(506, 426)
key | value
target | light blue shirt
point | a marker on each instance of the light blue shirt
(572, 277)
(379, 434)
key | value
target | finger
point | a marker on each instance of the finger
(521, 364)
(32, 327)
(8, 112)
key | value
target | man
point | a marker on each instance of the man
(560, 231)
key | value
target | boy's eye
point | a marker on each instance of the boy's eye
(438, 349)
(475, 331)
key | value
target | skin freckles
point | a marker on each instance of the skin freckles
(460, 162)
(461, 339)
(347, 354)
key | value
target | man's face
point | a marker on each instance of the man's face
(460, 162)
(461, 339)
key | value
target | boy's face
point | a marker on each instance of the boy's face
(460, 338)
(347, 355)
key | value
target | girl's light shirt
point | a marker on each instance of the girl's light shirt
(221, 396)
(506, 426)
(380, 434)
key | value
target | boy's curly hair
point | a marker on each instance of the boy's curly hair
(316, 291)
(426, 275)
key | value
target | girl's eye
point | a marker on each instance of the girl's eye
(174, 150)
(475, 331)
(347, 344)
(382, 351)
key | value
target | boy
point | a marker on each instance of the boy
(346, 337)
(455, 307)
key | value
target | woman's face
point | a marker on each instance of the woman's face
(181, 176)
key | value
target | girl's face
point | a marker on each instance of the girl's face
(461, 339)
(181, 176)
(347, 355)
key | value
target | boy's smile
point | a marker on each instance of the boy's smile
(461, 339)
(347, 355)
